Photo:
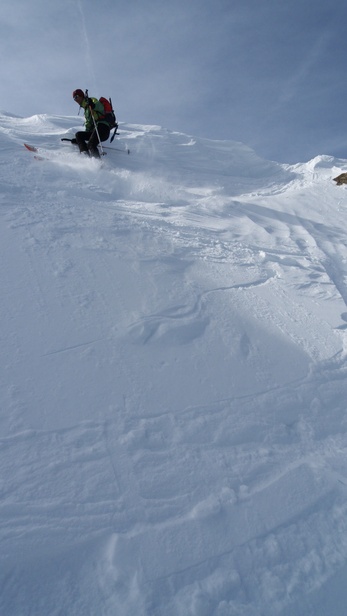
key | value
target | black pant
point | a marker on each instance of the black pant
(88, 141)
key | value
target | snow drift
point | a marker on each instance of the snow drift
(173, 378)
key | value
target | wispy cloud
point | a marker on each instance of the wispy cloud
(292, 86)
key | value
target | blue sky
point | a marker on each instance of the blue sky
(270, 74)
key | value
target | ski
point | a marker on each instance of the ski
(40, 153)
(33, 148)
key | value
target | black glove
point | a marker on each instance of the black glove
(90, 103)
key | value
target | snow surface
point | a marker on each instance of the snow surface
(173, 378)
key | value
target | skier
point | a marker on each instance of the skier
(97, 129)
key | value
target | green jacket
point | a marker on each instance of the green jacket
(97, 113)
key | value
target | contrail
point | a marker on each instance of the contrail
(88, 56)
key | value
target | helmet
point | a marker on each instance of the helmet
(77, 92)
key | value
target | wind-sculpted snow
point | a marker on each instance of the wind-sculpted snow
(173, 378)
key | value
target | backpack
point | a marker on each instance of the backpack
(109, 115)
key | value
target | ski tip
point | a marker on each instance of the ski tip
(31, 148)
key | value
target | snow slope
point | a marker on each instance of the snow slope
(173, 378)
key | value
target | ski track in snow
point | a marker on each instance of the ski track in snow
(173, 389)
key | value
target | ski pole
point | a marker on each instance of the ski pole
(96, 128)
(97, 132)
